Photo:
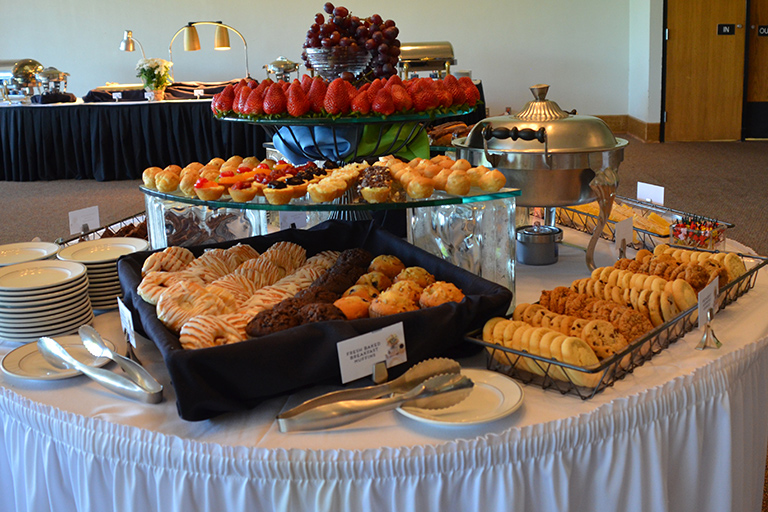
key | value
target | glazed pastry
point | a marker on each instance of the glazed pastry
(185, 299)
(170, 259)
(204, 331)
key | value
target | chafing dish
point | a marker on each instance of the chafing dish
(52, 80)
(19, 78)
(281, 68)
(556, 158)
(432, 56)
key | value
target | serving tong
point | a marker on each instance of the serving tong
(137, 383)
(431, 384)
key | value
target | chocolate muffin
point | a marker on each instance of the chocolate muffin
(270, 321)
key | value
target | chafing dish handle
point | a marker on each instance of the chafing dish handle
(514, 133)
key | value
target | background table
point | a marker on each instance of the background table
(686, 431)
(115, 141)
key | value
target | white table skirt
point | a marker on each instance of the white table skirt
(686, 431)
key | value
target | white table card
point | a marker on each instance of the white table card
(126, 320)
(83, 220)
(707, 301)
(651, 193)
(357, 356)
(623, 233)
(117, 96)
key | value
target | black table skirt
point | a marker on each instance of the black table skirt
(116, 141)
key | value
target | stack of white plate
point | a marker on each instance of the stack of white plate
(43, 298)
(11, 254)
(100, 258)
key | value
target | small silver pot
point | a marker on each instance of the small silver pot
(537, 244)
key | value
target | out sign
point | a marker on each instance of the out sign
(762, 30)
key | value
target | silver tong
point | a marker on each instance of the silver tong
(138, 384)
(431, 384)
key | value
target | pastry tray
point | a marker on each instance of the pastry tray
(238, 376)
(582, 221)
(503, 360)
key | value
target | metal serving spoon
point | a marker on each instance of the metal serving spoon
(94, 343)
(56, 355)
(437, 392)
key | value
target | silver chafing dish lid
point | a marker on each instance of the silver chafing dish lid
(281, 66)
(539, 121)
(51, 74)
(426, 56)
(25, 71)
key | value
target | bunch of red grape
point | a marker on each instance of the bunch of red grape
(372, 34)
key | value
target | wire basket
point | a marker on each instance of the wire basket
(570, 378)
(134, 226)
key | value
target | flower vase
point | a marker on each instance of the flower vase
(156, 94)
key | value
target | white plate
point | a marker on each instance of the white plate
(48, 317)
(59, 331)
(102, 267)
(35, 294)
(55, 309)
(68, 302)
(26, 362)
(21, 252)
(78, 317)
(494, 396)
(36, 275)
(104, 288)
(102, 273)
(40, 299)
(103, 250)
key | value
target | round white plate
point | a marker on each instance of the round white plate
(11, 254)
(78, 317)
(35, 294)
(494, 396)
(26, 362)
(103, 250)
(104, 288)
(43, 298)
(104, 283)
(102, 267)
(10, 312)
(50, 315)
(56, 309)
(59, 331)
(36, 275)
(102, 273)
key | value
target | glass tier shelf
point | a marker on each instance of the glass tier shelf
(351, 120)
(347, 203)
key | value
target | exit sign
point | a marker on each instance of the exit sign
(724, 29)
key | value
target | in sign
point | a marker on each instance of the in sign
(724, 29)
(762, 30)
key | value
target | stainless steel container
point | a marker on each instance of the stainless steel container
(551, 155)
(537, 244)
(52, 80)
(431, 56)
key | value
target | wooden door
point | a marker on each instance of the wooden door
(756, 107)
(704, 73)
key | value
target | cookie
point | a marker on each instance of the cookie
(684, 295)
(576, 352)
(654, 308)
(602, 338)
(530, 343)
(633, 325)
(529, 312)
(734, 266)
(551, 370)
(517, 314)
(669, 309)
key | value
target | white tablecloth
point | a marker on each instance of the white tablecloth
(686, 431)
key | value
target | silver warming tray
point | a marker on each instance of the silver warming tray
(430, 56)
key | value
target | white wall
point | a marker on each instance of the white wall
(582, 49)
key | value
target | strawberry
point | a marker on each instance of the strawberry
(337, 98)
(364, 87)
(375, 87)
(255, 103)
(383, 102)
(351, 91)
(443, 95)
(240, 98)
(285, 85)
(457, 92)
(226, 98)
(424, 95)
(470, 90)
(317, 94)
(361, 103)
(306, 83)
(275, 101)
(252, 84)
(298, 103)
(400, 97)
(394, 79)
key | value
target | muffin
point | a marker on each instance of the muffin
(438, 293)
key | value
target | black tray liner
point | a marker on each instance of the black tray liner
(212, 381)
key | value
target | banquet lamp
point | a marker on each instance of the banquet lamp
(221, 39)
(126, 45)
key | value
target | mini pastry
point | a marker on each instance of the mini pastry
(492, 181)
(243, 192)
(459, 183)
(417, 274)
(176, 169)
(207, 190)
(148, 176)
(387, 264)
(167, 181)
(353, 306)
(438, 293)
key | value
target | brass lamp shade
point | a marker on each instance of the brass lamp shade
(221, 39)
(191, 41)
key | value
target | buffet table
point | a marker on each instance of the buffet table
(686, 431)
(115, 141)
